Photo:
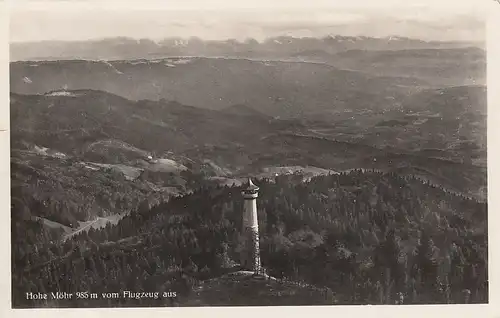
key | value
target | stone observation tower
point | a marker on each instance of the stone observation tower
(250, 255)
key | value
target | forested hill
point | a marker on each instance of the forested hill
(367, 236)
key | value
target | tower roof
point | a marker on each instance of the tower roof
(251, 186)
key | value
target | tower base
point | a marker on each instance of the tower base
(250, 255)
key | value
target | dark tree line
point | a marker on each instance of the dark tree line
(369, 237)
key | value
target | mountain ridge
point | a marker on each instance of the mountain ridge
(275, 46)
(275, 88)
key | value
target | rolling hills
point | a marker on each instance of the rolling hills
(447, 123)
(95, 145)
(309, 84)
(438, 67)
(276, 88)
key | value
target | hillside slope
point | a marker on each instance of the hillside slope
(72, 124)
(90, 127)
(370, 237)
(449, 66)
(276, 88)
(243, 289)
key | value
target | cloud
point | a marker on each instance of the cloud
(75, 23)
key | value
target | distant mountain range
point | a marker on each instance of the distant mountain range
(121, 48)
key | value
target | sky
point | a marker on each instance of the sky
(219, 20)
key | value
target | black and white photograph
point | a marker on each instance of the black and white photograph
(248, 156)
